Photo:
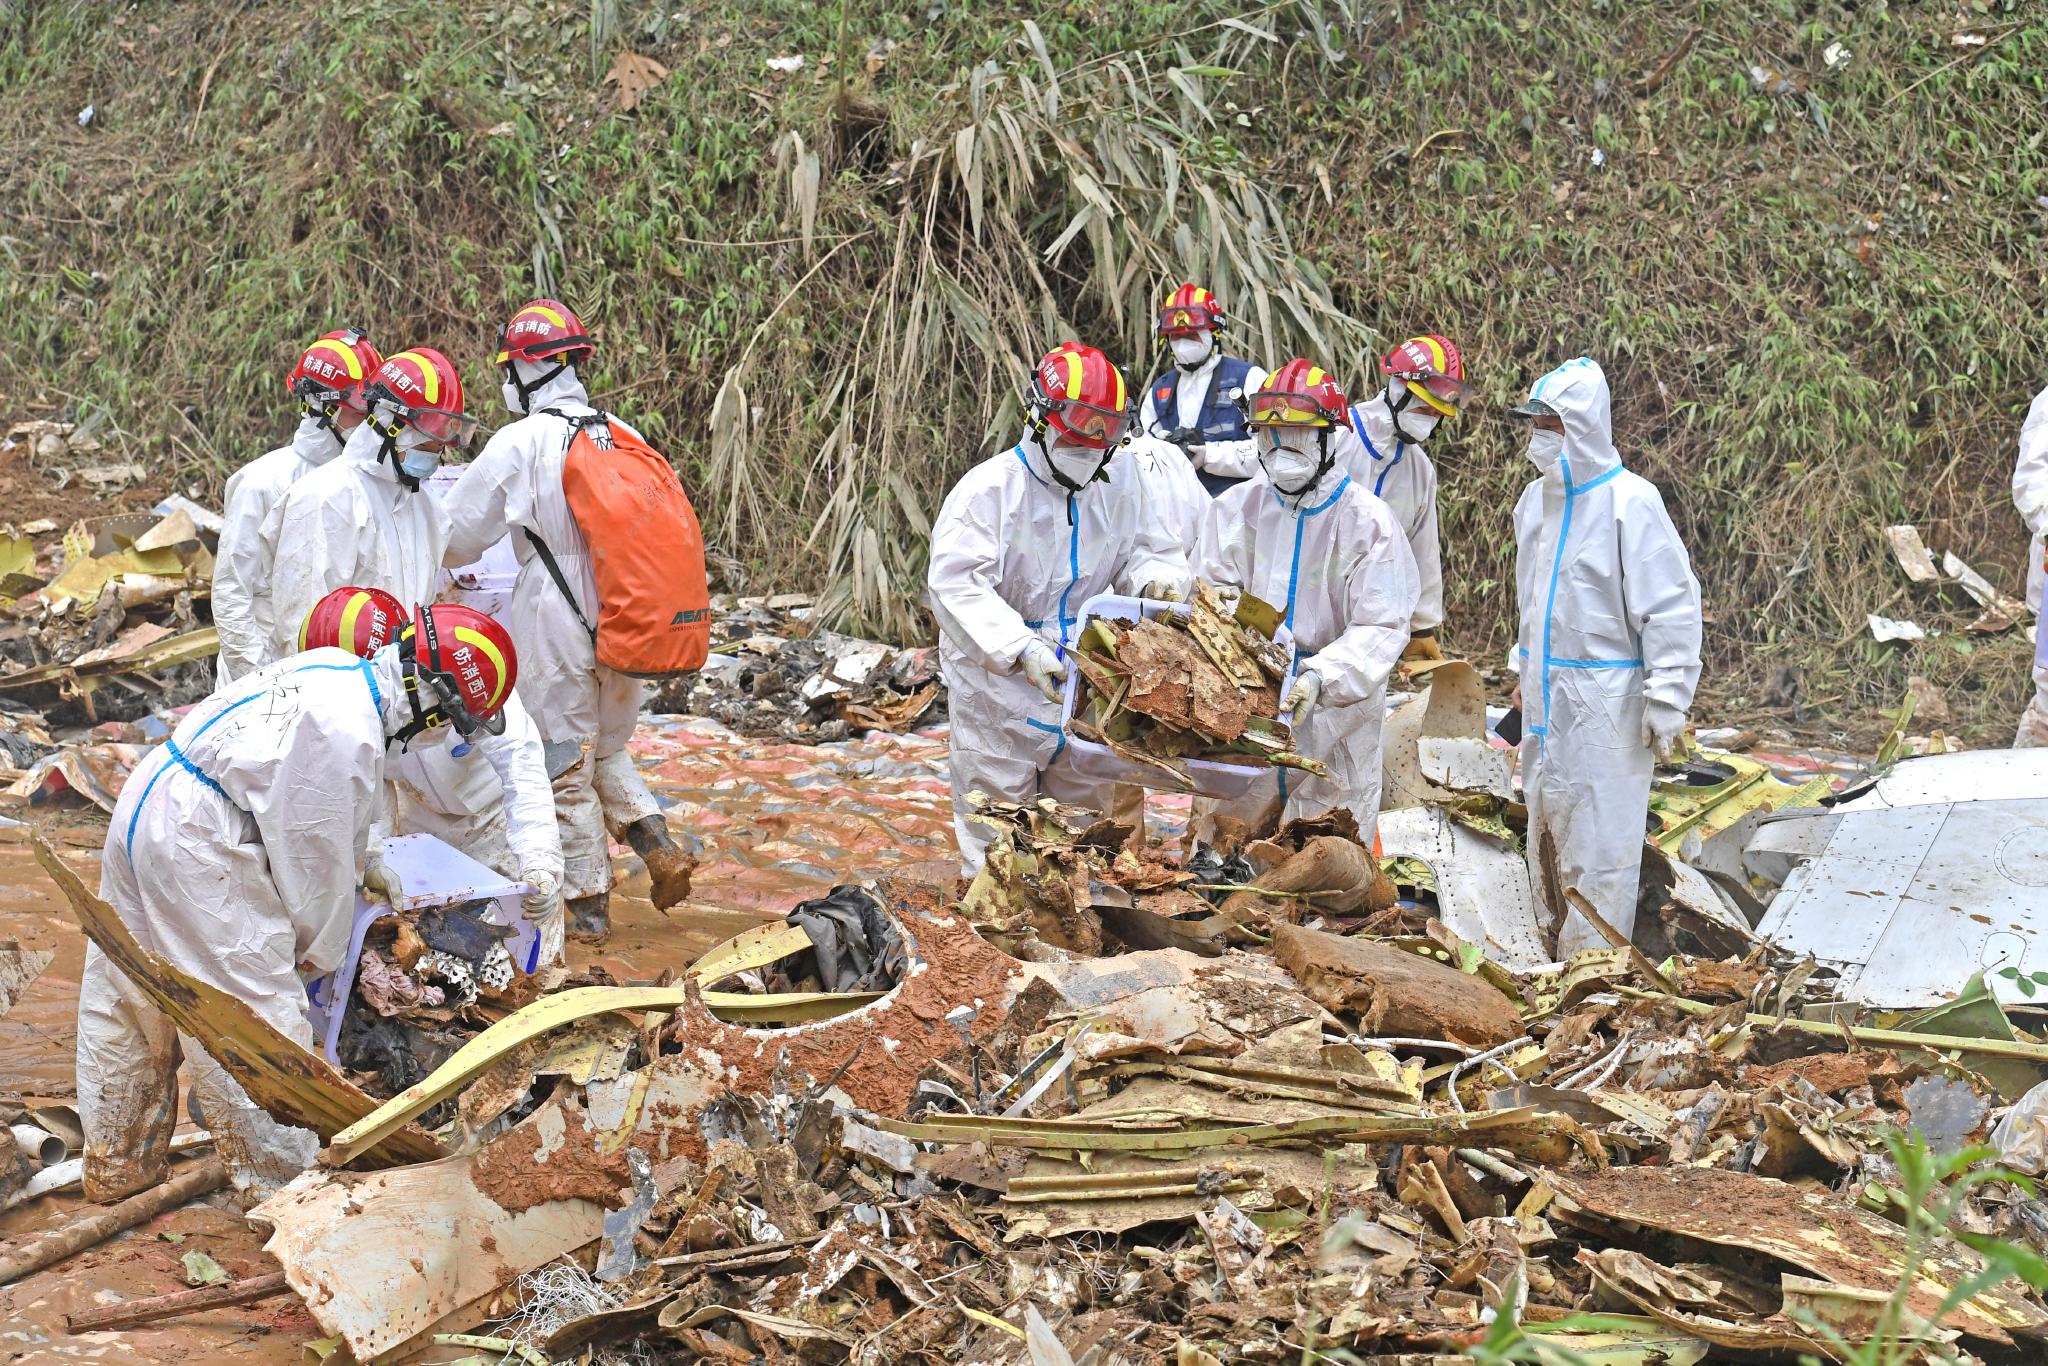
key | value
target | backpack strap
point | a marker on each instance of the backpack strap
(578, 423)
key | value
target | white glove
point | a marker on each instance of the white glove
(1161, 590)
(1045, 669)
(1663, 724)
(545, 882)
(1302, 697)
(380, 880)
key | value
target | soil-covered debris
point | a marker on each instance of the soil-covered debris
(774, 674)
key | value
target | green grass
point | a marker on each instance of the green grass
(1821, 304)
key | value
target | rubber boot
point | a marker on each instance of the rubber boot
(667, 863)
(589, 918)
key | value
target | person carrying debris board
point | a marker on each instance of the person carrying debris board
(1608, 652)
(2030, 496)
(233, 856)
(1197, 405)
(1021, 542)
(1381, 449)
(611, 591)
(1321, 548)
(328, 384)
(364, 522)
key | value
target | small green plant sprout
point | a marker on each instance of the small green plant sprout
(2028, 983)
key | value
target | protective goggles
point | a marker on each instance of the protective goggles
(437, 424)
(1184, 320)
(314, 394)
(1286, 410)
(1445, 393)
(1088, 425)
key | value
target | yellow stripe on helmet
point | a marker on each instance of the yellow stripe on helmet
(430, 378)
(477, 640)
(1436, 352)
(1120, 396)
(1074, 368)
(557, 319)
(356, 603)
(348, 357)
(1314, 377)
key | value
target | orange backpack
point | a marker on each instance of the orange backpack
(646, 551)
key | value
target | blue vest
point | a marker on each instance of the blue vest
(1220, 419)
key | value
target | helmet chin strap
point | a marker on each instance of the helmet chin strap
(424, 719)
(527, 391)
(387, 450)
(1396, 406)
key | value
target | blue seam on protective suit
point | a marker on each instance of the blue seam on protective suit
(176, 758)
(1400, 451)
(1073, 570)
(1301, 517)
(1050, 729)
(1571, 492)
(361, 666)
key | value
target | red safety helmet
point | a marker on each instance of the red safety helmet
(424, 389)
(1432, 369)
(334, 369)
(1188, 310)
(359, 620)
(468, 660)
(1298, 394)
(1081, 396)
(544, 330)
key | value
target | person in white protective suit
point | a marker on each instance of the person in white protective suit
(1608, 653)
(328, 384)
(364, 521)
(1382, 449)
(233, 855)
(1198, 405)
(496, 808)
(582, 707)
(1314, 543)
(2030, 496)
(1022, 541)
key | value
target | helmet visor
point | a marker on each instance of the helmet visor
(1088, 425)
(438, 424)
(1269, 409)
(1184, 320)
(1441, 392)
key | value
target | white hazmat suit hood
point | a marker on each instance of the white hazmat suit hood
(233, 854)
(242, 609)
(1610, 620)
(1014, 556)
(1335, 563)
(565, 387)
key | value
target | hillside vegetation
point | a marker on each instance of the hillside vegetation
(1809, 241)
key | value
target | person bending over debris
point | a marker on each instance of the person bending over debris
(1021, 542)
(329, 384)
(517, 484)
(1309, 539)
(498, 810)
(1608, 652)
(365, 522)
(2030, 496)
(1381, 448)
(233, 855)
(1198, 404)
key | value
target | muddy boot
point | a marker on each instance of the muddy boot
(589, 918)
(667, 864)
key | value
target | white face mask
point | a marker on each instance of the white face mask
(509, 392)
(1189, 352)
(1078, 464)
(1290, 468)
(1544, 448)
(1417, 420)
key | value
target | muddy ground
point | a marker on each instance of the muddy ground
(776, 824)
